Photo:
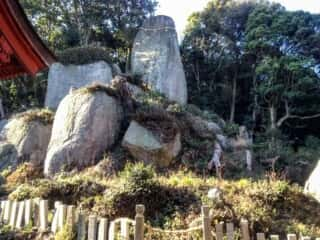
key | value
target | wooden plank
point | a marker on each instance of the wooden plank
(230, 231)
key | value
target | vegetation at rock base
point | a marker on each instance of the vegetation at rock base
(44, 116)
(173, 200)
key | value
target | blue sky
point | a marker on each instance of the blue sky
(179, 10)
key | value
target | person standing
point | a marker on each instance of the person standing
(216, 160)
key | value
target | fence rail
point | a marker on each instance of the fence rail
(36, 213)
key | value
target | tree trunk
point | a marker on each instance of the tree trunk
(273, 117)
(2, 115)
(234, 97)
(128, 63)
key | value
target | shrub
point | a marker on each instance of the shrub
(66, 233)
(139, 177)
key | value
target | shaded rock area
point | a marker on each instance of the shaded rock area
(3, 123)
(145, 146)
(86, 124)
(312, 185)
(156, 58)
(62, 78)
(25, 138)
(8, 155)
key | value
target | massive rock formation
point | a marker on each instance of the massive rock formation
(145, 146)
(86, 124)
(156, 58)
(63, 78)
(24, 138)
(313, 183)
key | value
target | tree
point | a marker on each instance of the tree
(213, 54)
(70, 23)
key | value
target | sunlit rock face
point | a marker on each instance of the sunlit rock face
(156, 58)
(63, 78)
(313, 183)
(86, 124)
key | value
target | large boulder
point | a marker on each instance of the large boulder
(62, 78)
(87, 123)
(201, 127)
(146, 146)
(26, 137)
(156, 58)
(312, 185)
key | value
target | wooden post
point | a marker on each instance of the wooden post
(274, 237)
(92, 228)
(13, 216)
(20, 215)
(36, 211)
(124, 229)
(81, 227)
(43, 215)
(230, 231)
(7, 211)
(139, 227)
(245, 229)
(112, 231)
(292, 237)
(3, 206)
(306, 238)
(71, 215)
(55, 220)
(103, 229)
(62, 215)
(219, 231)
(28, 212)
(206, 224)
(261, 236)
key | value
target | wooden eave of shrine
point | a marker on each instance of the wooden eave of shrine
(21, 49)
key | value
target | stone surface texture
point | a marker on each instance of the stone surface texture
(62, 78)
(156, 58)
(145, 146)
(86, 124)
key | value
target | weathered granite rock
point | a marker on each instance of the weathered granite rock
(116, 70)
(8, 156)
(3, 123)
(156, 58)
(312, 185)
(30, 138)
(63, 78)
(145, 146)
(202, 127)
(86, 124)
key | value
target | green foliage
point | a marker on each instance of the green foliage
(66, 233)
(138, 177)
(231, 129)
(64, 24)
(23, 93)
(84, 55)
(69, 189)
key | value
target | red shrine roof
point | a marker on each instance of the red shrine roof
(21, 49)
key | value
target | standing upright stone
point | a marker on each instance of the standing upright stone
(62, 78)
(156, 58)
(312, 185)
